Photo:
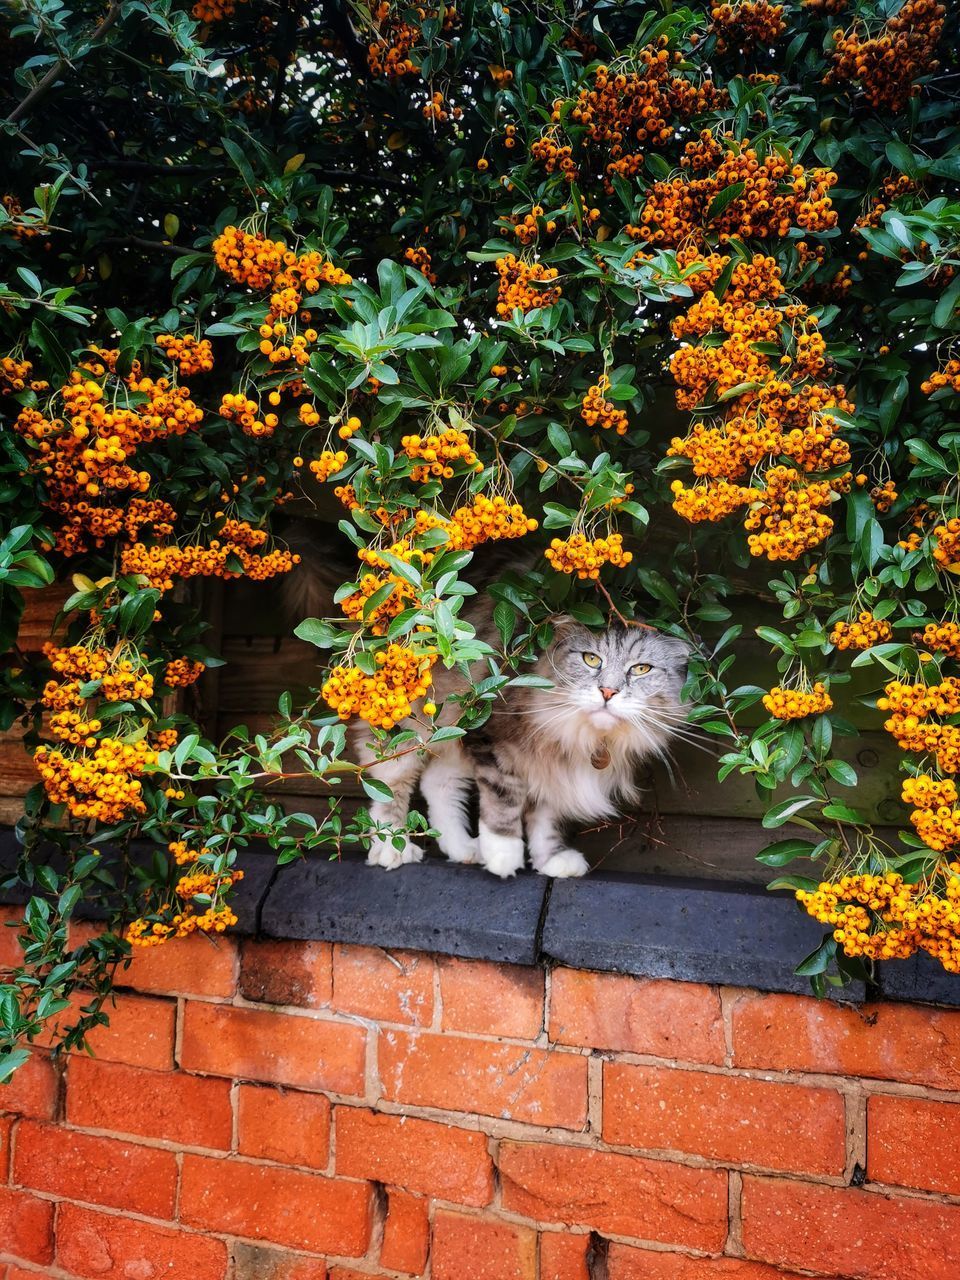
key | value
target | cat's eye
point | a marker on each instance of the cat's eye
(592, 660)
(640, 668)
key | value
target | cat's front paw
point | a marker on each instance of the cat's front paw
(565, 863)
(501, 855)
(384, 854)
(464, 850)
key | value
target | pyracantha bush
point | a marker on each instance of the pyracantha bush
(443, 265)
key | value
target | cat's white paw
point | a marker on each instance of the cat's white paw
(465, 849)
(566, 863)
(384, 854)
(502, 855)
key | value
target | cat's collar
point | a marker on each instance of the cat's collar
(600, 759)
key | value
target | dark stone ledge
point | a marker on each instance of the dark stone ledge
(427, 906)
(657, 927)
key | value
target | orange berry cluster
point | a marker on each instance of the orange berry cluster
(440, 454)
(15, 376)
(419, 257)
(772, 410)
(182, 672)
(389, 53)
(236, 407)
(524, 286)
(599, 412)
(102, 783)
(935, 815)
(161, 565)
(214, 10)
(191, 356)
(386, 697)
(776, 195)
(946, 547)
(527, 228)
(862, 633)
(586, 556)
(942, 637)
(886, 65)
(120, 678)
(548, 151)
(83, 457)
(253, 260)
(880, 917)
(631, 110)
(328, 464)
(436, 110)
(910, 707)
(487, 520)
(795, 704)
(181, 917)
(747, 24)
(948, 376)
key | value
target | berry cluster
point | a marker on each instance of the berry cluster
(863, 632)
(796, 704)
(190, 355)
(910, 707)
(881, 917)
(596, 411)
(746, 25)
(948, 376)
(182, 672)
(161, 565)
(440, 454)
(487, 520)
(586, 556)
(775, 195)
(386, 697)
(887, 64)
(524, 286)
(941, 637)
(418, 257)
(328, 464)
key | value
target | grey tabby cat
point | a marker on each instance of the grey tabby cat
(544, 758)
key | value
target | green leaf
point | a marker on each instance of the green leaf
(786, 809)
(818, 961)
(724, 198)
(784, 851)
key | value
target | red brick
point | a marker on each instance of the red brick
(436, 1159)
(26, 1226)
(482, 1249)
(104, 1247)
(11, 954)
(140, 1031)
(623, 1195)
(199, 965)
(563, 1256)
(843, 1231)
(289, 973)
(13, 1272)
(887, 1041)
(253, 1044)
(514, 1082)
(265, 1202)
(732, 1119)
(80, 1166)
(677, 1020)
(406, 1233)
(32, 1089)
(492, 999)
(253, 1262)
(170, 1106)
(627, 1263)
(349, 1273)
(913, 1143)
(282, 1125)
(394, 986)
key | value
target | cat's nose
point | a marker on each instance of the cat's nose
(607, 694)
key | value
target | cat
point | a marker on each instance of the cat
(545, 758)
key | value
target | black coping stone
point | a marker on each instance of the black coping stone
(657, 927)
(921, 978)
(683, 929)
(427, 906)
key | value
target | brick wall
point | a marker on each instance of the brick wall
(264, 1110)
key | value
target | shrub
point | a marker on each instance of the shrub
(441, 261)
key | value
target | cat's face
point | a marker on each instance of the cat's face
(618, 677)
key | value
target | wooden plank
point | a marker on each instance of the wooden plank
(40, 609)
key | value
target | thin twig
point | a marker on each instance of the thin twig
(42, 86)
